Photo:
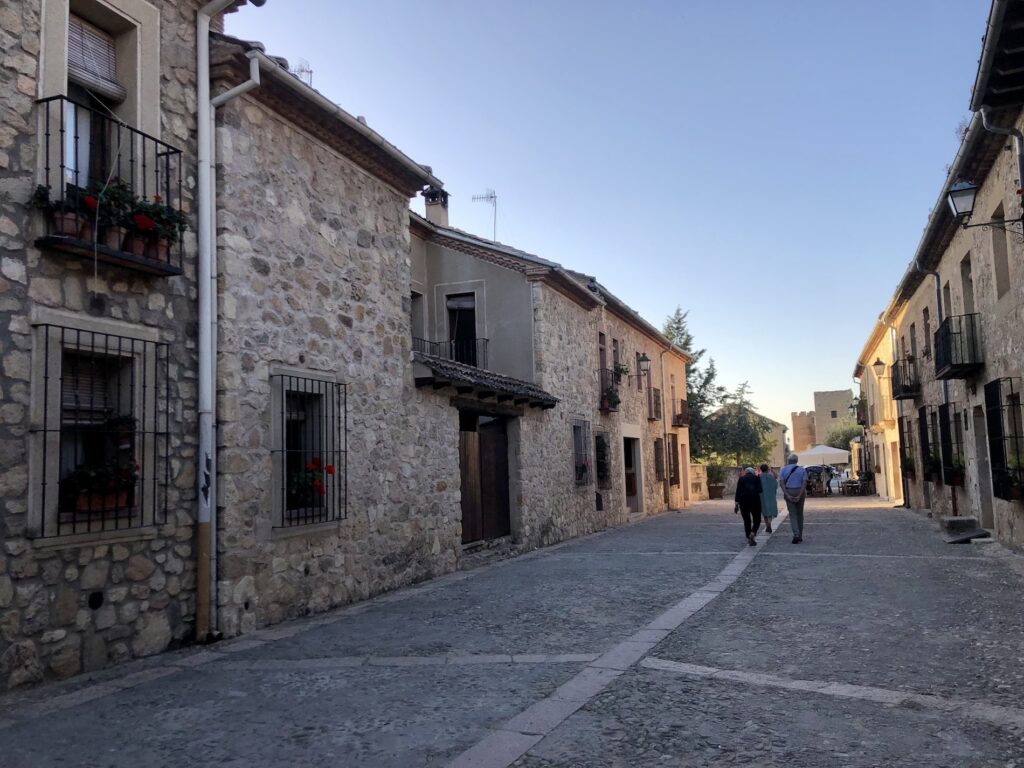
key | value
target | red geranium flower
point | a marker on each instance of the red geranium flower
(329, 469)
(90, 202)
(315, 462)
(318, 486)
(143, 222)
(157, 198)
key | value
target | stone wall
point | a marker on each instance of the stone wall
(314, 258)
(698, 482)
(803, 430)
(825, 404)
(74, 604)
(1002, 342)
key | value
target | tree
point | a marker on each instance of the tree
(736, 431)
(842, 433)
(703, 393)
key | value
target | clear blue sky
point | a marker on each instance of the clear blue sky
(768, 166)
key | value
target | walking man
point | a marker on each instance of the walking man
(793, 479)
(748, 501)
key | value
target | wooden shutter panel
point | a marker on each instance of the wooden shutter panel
(92, 59)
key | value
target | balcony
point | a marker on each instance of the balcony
(608, 396)
(905, 383)
(467, 351)
(958, 347)
(862, 413)
(681, 418)
(109, 192)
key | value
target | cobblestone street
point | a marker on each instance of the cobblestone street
(666, 643)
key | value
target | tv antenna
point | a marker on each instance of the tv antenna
(490, 196)
(303, 71)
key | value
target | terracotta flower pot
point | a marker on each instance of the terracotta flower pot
(67, 223)
(158, 249)
(101, 502)
(135, 244)
(715, 490)
(113, 237)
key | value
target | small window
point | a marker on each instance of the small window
(639, 374)
(100, 432)
(927, 321)
(834, 414)
(673, 459)
(581, 452)
(310, 466)
(1000, 258)
(603, 459)
(659, 459)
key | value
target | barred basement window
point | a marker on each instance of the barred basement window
(659, 459)
(951, 436)
(581, 452)
(603, 459)
(1005, 420)
(309, 445)
(100, 432)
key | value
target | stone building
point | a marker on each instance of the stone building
(803, 430)
(878, 450)
(957, 316)
(97, 333)
(831, 409)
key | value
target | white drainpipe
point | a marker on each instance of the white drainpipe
(206, 470)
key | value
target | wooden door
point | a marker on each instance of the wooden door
(494, 478)
(469, 468)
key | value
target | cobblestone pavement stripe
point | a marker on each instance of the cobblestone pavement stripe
(975, 710)
(500, 748)
(771, 554)
(347, 662)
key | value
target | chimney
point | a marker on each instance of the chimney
(437, 205)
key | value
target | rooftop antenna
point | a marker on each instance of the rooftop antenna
(490, 196)
(303, 71)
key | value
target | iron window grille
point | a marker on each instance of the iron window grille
(581, 452)
(908, 454)
(659, 459)
(951, 437)
(603, 459)
(113, 193)
(673, 460)
(310, 450)
(958, 351)
(931, 447)
(100, 432)
(905, 383)
(467, 351)
(1005, 421)
(682, 417)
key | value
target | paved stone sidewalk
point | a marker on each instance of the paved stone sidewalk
(666, 643)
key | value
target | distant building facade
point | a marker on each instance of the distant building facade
(803, 430)
(831, 409)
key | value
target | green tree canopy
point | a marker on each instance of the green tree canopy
(842, 433)
(736, 431)
(703, 393)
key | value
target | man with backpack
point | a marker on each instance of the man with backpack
(793, 479)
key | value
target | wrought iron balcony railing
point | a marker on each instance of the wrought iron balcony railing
(905, 383)
(469, 351)
(608, 384)
(681, 418)
(862, 412)
(109, 191)
(958, 347)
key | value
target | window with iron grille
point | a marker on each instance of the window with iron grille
(1004, 418)
(931, 448)
(603, 459)
(908, 455)
(951, 438)
(673, 459)
(659, 459)
(654, 404)
(100, 432)
(581, 452)
(309, 444)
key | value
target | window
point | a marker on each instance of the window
(927, 321)
(673, 459)
(908, 457)
(659, 459)
(672, 387)
(639, 374)
(416, 308)
(462, 328)
(967, 284)
(931, 448)
(951, 437)
(615, 353)
(834, 414)
(653, 404)
(100, 435)
(603, 459)
(1004, 418)
(1000, 258)
(308, 442)
(602, 352)
(581, 452)
(947, 299)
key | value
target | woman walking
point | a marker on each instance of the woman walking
(748, 501)
(769, 504)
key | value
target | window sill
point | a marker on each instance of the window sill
(311, 529)
(94, 537)
(85, 249)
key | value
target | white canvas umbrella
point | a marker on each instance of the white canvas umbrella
(823, 454)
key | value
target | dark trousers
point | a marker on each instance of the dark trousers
(751, 517)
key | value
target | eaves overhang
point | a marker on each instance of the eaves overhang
(477, 383)
(1000, 79)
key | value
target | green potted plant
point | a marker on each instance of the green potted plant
(155, 226)
(104, 486)
(933, 465)
(68, 217)
(619, 370)
(1015, 474)
(114, 203)
(716, 480)
(121, 430)
(610, 398)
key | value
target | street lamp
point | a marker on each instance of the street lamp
(645, 363)
(879, 367)
(961, 199)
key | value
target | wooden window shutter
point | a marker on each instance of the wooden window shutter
(92, 59)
